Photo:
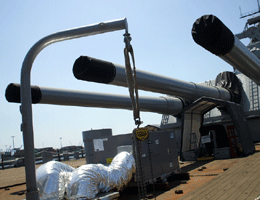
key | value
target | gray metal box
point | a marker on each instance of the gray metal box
(100, 145)
(46, 156)
(189, 155)
(222, 153)
(164, 156)
(127, 148)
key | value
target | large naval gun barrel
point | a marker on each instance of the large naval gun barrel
(99, 71)
(210, 33)
(45, 95)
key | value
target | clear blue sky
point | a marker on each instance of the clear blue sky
(161, 38)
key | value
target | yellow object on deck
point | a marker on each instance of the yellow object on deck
(205, 158)
(109, 160)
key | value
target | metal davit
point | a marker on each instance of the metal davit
(26, 100)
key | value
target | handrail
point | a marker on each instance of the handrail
(26, 103)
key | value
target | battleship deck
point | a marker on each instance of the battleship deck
(241, 181)
(218, 179)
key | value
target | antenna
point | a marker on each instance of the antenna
(13, 140)
(247, 14)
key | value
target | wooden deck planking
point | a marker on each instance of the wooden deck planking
(209, 186)
(249, 191)
(238, 186)
(215, 187)
(255, 192)
(221, 186)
